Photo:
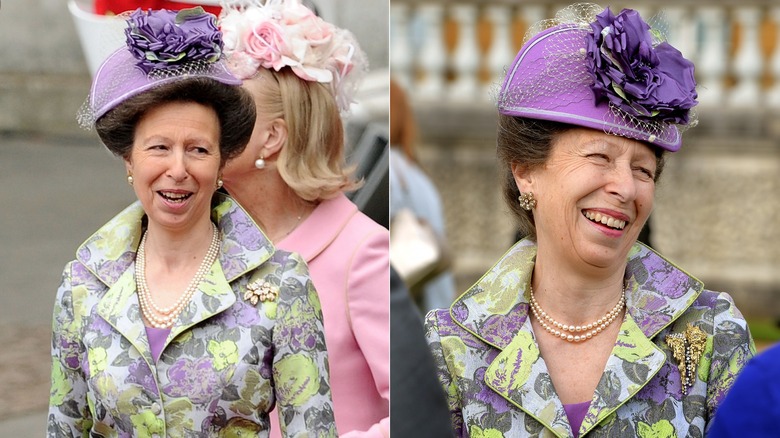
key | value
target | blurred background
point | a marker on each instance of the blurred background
(60, 184)
(717, 206)
(717, 209)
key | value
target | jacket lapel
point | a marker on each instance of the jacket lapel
(119, 307)
(244, 246)
(495, 310)
(634, 361)
(520, 375)
(321, 228)
(213, 296)
(658, 292)
(109, 254)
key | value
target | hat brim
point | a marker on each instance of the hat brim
(574, 103)
(119, 78)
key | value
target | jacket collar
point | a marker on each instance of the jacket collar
(111, 250)
(121, 296)
(321, 228)
(657, 293)
(110, 255)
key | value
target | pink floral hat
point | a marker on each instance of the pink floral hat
(162, 46)
(591, 68)
(274, 34)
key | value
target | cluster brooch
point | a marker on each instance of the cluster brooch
(687, 348)
(260, 290)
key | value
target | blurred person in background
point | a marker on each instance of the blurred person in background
(417, 400)
(578, 329)
(752, 405)
(179, 317)
(302, 71)
(411, 188)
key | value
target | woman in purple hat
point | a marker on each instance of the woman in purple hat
(578, 329)
(178, 317)
(302, 71)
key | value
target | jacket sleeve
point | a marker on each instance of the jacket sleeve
(732, 347)
(433, 336)
(368, 304)
(300, 363)
(69, 414)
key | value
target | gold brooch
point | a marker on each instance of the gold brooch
(687, 348)
(260, 290)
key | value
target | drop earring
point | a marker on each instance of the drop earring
(219, 183)
(130, 179)
(260, 163)
(527, 201)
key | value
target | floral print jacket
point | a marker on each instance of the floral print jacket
(226, 361)
(497, 383)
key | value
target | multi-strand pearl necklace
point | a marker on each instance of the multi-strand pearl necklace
(575, 333)
(164, 317)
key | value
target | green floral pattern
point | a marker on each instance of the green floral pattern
(497, 383)
(226, 362)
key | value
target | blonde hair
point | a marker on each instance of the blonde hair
(312, 160)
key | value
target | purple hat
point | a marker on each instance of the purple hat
(162, 46)
(603, 72)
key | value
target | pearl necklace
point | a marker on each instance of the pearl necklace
(167, 315)
(565, 332)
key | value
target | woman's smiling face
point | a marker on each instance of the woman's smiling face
(594, 195)
(175, 163)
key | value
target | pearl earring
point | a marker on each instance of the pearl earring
(260, 163)
(130, 179)
(219, 183)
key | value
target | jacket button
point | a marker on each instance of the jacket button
(156, 408)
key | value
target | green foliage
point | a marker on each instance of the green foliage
(765, 332)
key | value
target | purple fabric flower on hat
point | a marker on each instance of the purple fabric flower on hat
(649, 82)
(166, 39)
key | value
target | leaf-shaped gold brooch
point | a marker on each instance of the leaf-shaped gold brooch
(260, 290)
(687, 349)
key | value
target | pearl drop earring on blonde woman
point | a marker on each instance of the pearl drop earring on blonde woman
(260, 163)
(527, 201)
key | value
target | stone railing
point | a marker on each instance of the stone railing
(718, 203)
(460, 49)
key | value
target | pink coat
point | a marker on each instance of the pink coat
(348, 260)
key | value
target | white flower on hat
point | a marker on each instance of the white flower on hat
(285, 33)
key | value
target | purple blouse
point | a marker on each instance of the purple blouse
(157, 339)
(576, 413)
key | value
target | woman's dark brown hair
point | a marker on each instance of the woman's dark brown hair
(529, 143)
(234, 106)
(402, 124)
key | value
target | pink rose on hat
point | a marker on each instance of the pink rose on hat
(266, 43)
(284, 33)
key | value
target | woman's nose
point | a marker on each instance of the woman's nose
(177, 168)
(622, 183)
